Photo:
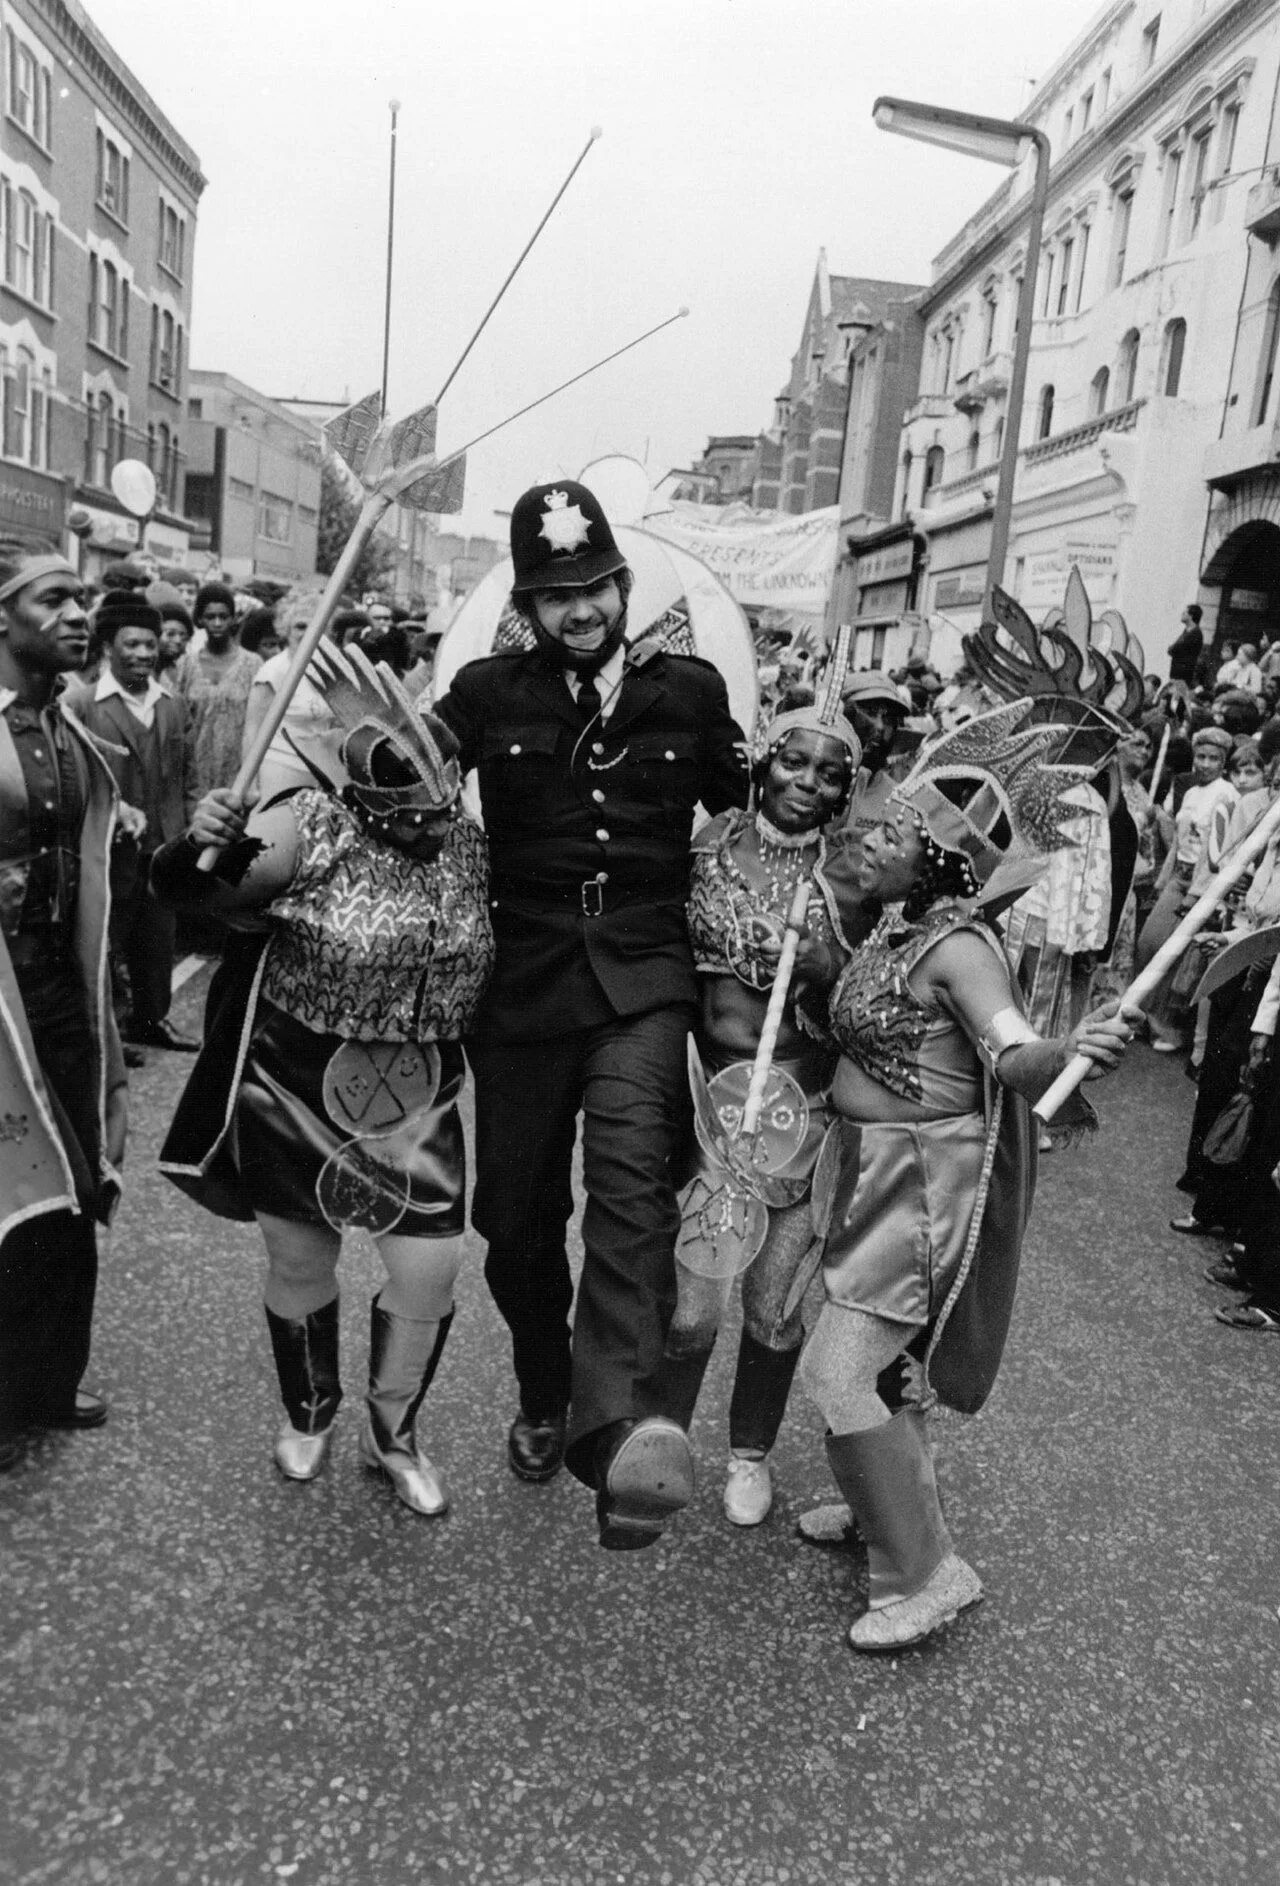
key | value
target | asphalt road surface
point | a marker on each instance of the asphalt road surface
(213, 1676)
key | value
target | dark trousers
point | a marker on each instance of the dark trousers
(628, 1080)
(143, 936)
(49, 1263)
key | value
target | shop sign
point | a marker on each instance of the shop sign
(1044, 580)
(30, 503)
(885, 565)
(1256, 600)
(109, 530)
(882, 599)
(959, 589)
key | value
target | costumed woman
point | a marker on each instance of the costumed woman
(926, 1177)
(745, 871)
(326, 1094)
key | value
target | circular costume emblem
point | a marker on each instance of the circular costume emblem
(722, 1228)
(784, 1121)
(359, 1192)
(372, 1087)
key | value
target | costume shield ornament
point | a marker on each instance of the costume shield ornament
(378, 1092)
(722, 1227)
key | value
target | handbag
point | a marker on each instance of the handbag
(1227, 1139)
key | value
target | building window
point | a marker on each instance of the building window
(1228, 126)
(275, 518)
(1267, 364)
(104, 436)
(28, 246)
(108, 307)
(948, 358)
(1121, 217)
(974, 447)
(1086, 112)
(1099, 387)
(1064, 274)
(1066, 127)
(1169, 217)
(906, 485)
(1127, 367)
(240, 488)
(1199, 180)
(990, 307)
(113, 179)
(173, 240)
(167, 345)
(1044, 416)
(997, 442)
(1150, 42)
(1081, 261)
(1046, 265)
(30, 91)
(1104, 91)
(935, 460)
(1175, 341)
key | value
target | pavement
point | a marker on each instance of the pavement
(214, 1676)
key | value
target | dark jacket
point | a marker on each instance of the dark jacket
(589, 829)
(154, 771)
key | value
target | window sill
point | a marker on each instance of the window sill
(165, 392)
(172, 273)
(30, 136)
(37, 307)
(97, 347)
(112, 216)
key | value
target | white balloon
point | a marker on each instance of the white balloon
(135, 486)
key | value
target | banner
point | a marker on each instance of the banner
(766, 559)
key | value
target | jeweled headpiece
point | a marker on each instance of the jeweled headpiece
(396, 759)
(992, 791)
(1072, 679)
(825, 715)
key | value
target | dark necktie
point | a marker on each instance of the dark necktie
(589, 702)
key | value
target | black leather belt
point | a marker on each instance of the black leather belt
(592, 895)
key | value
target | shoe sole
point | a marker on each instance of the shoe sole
(650, 1479)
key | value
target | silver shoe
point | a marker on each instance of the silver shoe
(301, 1456)
(748, 1492)
(413, 1477)
(950, 1589)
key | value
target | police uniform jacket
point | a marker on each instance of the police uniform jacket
(589, 827)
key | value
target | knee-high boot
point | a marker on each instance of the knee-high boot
(917, 1581)
(403, 1357)
(306, 1357)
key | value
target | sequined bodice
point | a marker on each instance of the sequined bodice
(882, 1026)
(370, 944)
(722, 905)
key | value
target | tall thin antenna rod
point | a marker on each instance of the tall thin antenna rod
(391, 234)
(595, 133)
(564, 384)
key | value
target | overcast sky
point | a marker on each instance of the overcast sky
(737, 142)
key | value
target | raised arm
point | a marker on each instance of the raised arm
(256, 861)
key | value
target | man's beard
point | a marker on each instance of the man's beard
(579, 661)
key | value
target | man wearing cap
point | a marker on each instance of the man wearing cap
(877, 707)
(591, 758)
(62, 1089)
(147, 739)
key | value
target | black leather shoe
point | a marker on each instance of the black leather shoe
(163, 1035)
(535, 1448)
(88, 1411)
(644, 1475)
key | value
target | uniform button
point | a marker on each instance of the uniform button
(597, 746)
(516, 748)
(49, 805)
(668, 755)
(37, 753)
(602, 835)
(598, 796)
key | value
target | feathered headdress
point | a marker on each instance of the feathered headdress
(992, 790)
(395, 759)
(1071, 678)
(826, 713)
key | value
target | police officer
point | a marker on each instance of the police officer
(592, 755)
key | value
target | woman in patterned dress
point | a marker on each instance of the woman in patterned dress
(326, 1094)
(215, 681)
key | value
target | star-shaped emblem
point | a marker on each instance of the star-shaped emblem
(563, 524)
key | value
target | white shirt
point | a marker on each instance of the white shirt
(608, 679)
(141, 706)
(306, 714)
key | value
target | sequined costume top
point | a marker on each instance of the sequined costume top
(371, 944)
(883, 1027)
(723, 902)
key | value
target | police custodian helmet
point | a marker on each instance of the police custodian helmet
(560, 538)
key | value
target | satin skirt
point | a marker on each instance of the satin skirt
(901, 1206)
(337, 1132)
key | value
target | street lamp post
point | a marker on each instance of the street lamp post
(999, 141)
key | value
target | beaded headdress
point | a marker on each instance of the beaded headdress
(825, 715)
(1091, 691)
(992, 791)
(379, 733)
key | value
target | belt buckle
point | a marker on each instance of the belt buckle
(592, 891)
